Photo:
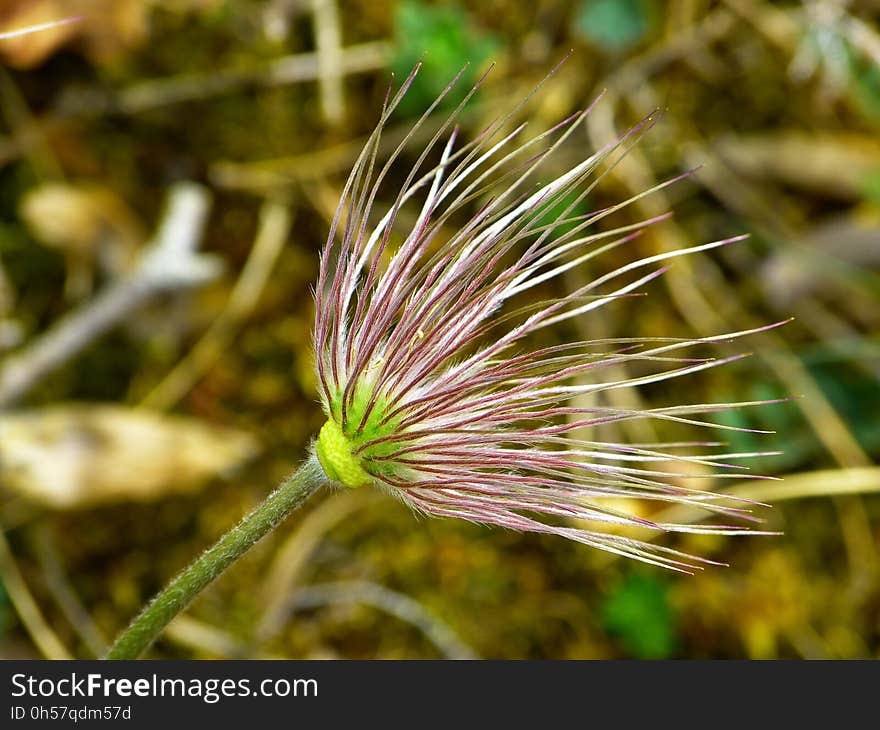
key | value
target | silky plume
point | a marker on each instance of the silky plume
(430, 388)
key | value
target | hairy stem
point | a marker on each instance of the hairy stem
(178, 594)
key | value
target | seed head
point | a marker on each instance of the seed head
(429, 383)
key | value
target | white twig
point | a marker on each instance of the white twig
(18, 32)
(328, 44)
(170, 262)
(392, 602)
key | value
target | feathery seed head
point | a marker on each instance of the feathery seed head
(426, 378)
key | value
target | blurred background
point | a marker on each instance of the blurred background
(168, 172)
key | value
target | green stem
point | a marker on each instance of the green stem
(178, 594)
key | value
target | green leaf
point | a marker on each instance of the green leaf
(853, 391)
(638, 613)
(613, 25)
(444, 38)
(855, 395)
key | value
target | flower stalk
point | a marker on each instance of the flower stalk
(178, 594)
